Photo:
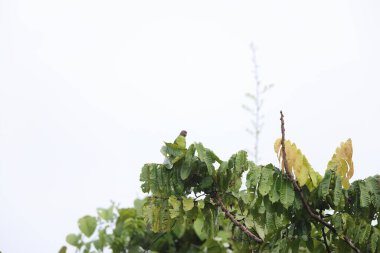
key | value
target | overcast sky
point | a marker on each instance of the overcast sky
(89, 90)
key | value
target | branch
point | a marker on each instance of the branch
(325, 240)
(198, 196)
(243, 228)
(324, 235)
(294, 182)
(300, 192)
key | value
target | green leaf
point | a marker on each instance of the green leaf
(266, 181)
(365, 198)
(175, 205)
(125, 213)
(248, 221)
(145, 178)
(212, 246)
(280, 220)
(198, 227)
(315, 177)
(324, 186)
(159, 179)
(274, 194)
(173, 153)
(374, 240)
(260, 229)
(179, 228)
(188, 204)
(186, 166)
(156, 213)
(338, 223)
(168, 163)
(223, 177)
(214, 156)
(206, 182)
(176, 184)
(177, 158)
(63, 249)
(253, 175)
(286, 194)
(87, 225)
(338, 194)
(106, 214)
(270, 222)
(210, 221)
(364, 232)
(297, 204)
(191, 216)
(101, 242)
(295, 245)
(135, 249)
(138, 204)
(241, 164)
(373, 183)
(235, 183)
(73, 239)
(206, 156)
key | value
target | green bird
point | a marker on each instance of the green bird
(181, 139)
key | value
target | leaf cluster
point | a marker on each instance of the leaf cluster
(182, 213)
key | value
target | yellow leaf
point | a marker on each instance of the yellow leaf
(298, 165)
(345, 183)
(277, 145)
(315, 178)
(342, 163)
(304, 170)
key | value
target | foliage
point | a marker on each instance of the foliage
(298, 164)
(198, 204)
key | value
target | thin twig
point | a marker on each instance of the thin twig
(243, 228)
(198, 196)
(300, 192)
(294, 182)
(324, 235)
(349, 242)
(325, 240)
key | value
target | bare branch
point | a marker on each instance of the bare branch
(198, 196)
(243, 228)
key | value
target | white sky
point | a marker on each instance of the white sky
(90, 89)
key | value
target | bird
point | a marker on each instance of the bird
(181, 139)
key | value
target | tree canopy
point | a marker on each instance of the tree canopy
(197, 203)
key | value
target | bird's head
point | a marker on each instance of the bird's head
(183, 133)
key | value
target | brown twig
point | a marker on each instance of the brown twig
(243, 228)
(325, 240)
(198, 196)
(300, 192)
(294, 182)
(324, 235)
